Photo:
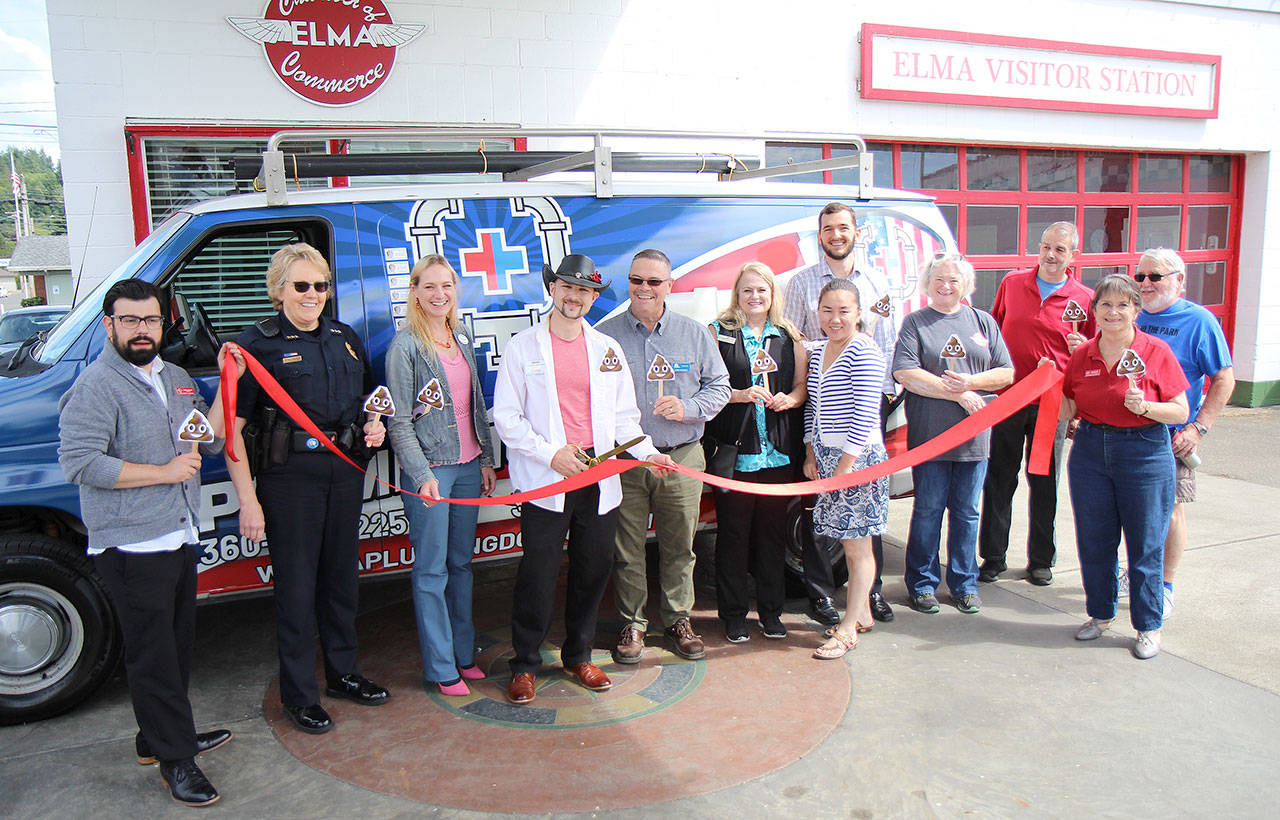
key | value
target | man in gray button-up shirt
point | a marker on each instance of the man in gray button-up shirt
(681, 383)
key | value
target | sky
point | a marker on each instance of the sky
(27, 116)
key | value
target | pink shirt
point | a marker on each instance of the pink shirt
(573, 388)
(458, 373)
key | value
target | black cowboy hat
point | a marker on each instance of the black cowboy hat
(575, 269)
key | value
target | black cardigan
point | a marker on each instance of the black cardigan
(786, 429)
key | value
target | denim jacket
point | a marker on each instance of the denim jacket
(433, 438)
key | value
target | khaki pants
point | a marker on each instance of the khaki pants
(674, 501)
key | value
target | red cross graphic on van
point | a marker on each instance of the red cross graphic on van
(493, 260)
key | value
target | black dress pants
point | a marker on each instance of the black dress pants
(542, 536)
(1010, 445)
(312, 508)
(154, 594)
(751, 535)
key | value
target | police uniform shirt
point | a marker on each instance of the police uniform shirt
(326, 371)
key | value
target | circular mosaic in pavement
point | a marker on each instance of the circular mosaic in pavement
(669, 728)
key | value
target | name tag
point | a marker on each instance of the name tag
(681, 367)
(185, 391)
(290, 358)
(535, 368)
(1093, 372)
(720, 337)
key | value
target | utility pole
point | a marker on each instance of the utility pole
(17, 205)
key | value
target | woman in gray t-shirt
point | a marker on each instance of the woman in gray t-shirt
(948, 356)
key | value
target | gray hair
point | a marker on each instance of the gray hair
(1068, 228)
(1116, 283)
(1167, 262)
(968, 279)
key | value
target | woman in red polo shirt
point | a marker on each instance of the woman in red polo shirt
(1125, 386)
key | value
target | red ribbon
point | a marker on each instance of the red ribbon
(1044, 384)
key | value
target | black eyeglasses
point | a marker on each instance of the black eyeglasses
(1154, 277)
(653, 283)
(131, 322)
(303, 287)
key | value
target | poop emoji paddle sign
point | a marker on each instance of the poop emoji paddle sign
(660, 371)
(431, 395)
(880, 310)
(1074, 314)
(1131, 365)
(379, 402)
(952, 350)
(196, 429)
(764, 363)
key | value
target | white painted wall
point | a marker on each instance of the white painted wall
(747, 65)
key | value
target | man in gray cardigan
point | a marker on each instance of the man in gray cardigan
(140, 501)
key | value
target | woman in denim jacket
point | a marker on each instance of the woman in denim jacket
(440, 434)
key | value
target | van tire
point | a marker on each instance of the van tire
(59, 639)
(794, 561)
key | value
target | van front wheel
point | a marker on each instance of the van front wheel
(58, 634)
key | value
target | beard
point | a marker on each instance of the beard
(139, 354)
(837, 255)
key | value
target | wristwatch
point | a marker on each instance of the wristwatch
(1204, 431)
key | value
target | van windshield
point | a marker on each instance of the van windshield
(89, 307)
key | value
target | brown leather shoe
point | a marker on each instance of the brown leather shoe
(521, 690)
(630, 646)
(684, 641)
(590, 676)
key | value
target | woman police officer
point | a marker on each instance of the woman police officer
(307, 500)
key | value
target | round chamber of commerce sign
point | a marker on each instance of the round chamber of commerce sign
(331, 52)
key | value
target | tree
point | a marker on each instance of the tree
(44, 192)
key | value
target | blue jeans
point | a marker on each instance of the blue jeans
(444, 538)
(1122, 483)
(953, 487)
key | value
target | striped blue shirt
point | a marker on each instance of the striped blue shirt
(843, 410)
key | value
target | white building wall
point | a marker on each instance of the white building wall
(747, 65)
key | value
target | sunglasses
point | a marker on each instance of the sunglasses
(1154, 277)
(653, 283)
(303, 287)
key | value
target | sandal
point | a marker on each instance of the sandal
(861, 629)
(842, 647)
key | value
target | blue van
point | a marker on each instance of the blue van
(58, 634)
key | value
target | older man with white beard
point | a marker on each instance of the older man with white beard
(1197, 340)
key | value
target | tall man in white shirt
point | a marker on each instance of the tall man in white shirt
(563, 389)
(837, 236)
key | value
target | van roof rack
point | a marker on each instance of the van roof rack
(273, 171)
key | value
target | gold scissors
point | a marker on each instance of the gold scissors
(592, 461)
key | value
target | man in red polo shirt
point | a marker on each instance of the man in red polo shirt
(1030, 305)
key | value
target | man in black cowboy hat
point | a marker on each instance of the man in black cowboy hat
(564, 389)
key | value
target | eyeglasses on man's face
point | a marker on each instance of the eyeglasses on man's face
(303, 287)
(653, 283)
(1154, 277)
(131, 322)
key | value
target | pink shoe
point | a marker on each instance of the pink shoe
(471, 672)
(454, 690)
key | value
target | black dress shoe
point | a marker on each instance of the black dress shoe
(990, 571)
(880, 609)
(313, 719)
(187, 783)
(358, 688)
(1040, 576)
(824, 612)
(205, 742)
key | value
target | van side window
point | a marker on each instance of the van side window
(221, 288)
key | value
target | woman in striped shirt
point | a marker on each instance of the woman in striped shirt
(842, 435)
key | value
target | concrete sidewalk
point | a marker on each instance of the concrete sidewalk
(1001, 714)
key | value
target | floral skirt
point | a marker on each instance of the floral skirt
(855, 512)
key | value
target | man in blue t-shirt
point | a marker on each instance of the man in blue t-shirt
(1197, 340)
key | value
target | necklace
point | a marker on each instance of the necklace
(445, 344)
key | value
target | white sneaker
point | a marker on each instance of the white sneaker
(1168, 603)
(1092, 629)
(1147, 645)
